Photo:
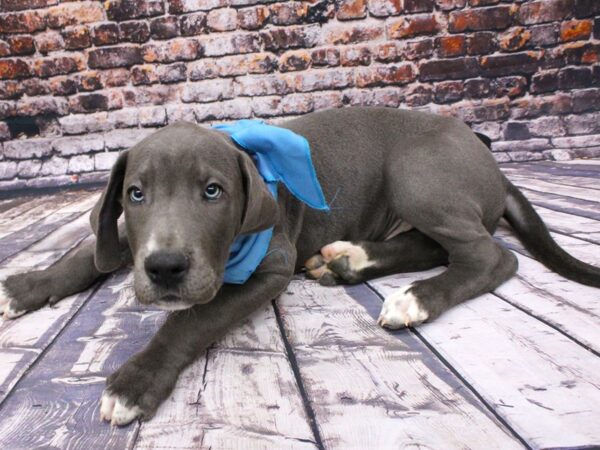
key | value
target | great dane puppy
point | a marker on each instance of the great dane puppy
(408, 191)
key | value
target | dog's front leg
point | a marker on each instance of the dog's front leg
(139, 387)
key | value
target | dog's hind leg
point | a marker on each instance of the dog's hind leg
(478, 264)
(345, 262)
(73, 273)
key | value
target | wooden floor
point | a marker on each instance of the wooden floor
(516, 368)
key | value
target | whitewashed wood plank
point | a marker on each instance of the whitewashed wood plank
(579, 248)
(540, 381)
(31, 212)
(374, 389)
(554, 178)
(569, 306)
(560, 203)
(591, 195)
(235, 400)
(20, 240)
(59, 404)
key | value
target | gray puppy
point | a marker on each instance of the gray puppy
(410, 191)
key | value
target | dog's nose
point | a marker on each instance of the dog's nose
(166, 268)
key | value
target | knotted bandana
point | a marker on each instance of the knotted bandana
(280, 155)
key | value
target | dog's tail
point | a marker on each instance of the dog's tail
(534, 235)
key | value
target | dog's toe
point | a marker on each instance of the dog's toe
(115, 410)
(7, 305)
(402, 309)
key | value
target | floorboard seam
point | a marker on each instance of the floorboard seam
(310, 413)
(45, 350)
(547, 323)
(468, 385)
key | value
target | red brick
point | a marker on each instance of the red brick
(114, 77)
(294, 60)
(226, 44)
(574, 78)
(448, 69)
(224, 19)
(21, 45)
(184, 6)
(144, 74)
(74, 14)
(544, 35)
(414, 50)
(510, 86)
(4, 49)
(192, 24)
(544, 11)
(325, 57)
(481, 43)
(164, 27)
(577, 53)
(253, 18)
(242, 64)
(518, 63)
(289, 13)
(493, 18)
(355, 56)
(378, 75)
(382, 8)
(317, 80)
(10, 89)
(105, 34)
(350, 33)
(35, 86)
(95, 102)
(412, 26)
(138, 31)
(546, 81)
(386, 52)
(173, 50)
(574, 30)
(48, 67)
(48, 42)
(477, 88)
(89, 81)
(514, 39)
(13, 68)
(352, 9)
(448, 91)
(414, 6)
(120, 10)
(451, 46)
(121, 56)
(448, 5)
(586, 8)
(26, 22)
(290, 37)
(18, 5)
(76, 37)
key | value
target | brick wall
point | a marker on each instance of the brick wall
(80, 80)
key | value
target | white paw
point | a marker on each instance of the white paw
(114, 410)
(401, 309)
(5, 305)
(357, 256)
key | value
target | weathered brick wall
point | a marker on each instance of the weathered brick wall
(80, 80)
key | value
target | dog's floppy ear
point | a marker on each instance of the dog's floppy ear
(104, 216)
(260, 208)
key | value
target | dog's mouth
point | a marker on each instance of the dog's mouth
(171, 302)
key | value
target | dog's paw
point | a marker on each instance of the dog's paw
(402, 309)
(339, 261)
(24, 292)
(136, 390)
(114, 409)
(8, 305)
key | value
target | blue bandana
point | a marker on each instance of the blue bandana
(279, 155)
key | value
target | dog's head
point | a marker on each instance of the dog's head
(186, 192)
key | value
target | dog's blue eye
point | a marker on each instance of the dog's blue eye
(213, 191)
(136, 195)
